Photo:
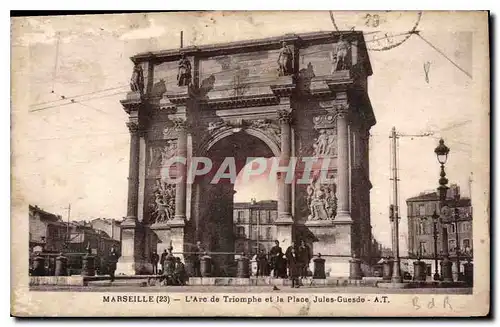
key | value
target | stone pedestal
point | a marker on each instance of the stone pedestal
(387, 267)
(206, 266)
(61, 266)
(355, 269)
(131, 261)
(419, 268)
(38, 266)
(243, 267)
(446, 273)
(333, 241)
(469, 273)
(88, 265)
(319, 268)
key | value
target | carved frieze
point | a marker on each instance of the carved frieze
(162, 202)
(159, 154)
(321, 200)
(325, 145)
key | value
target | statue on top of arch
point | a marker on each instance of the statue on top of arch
(285, 60)
(340, 57)
(184, 73)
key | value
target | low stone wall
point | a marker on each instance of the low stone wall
(269, 281)
(57, 280)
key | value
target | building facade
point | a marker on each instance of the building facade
(296, 95)
(422, 241)
(47, 231)
(254, 226)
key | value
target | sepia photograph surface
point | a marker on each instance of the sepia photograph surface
(249, 164)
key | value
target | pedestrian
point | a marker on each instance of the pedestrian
(112, 259)
(198, 253)
(154, 261)
(304, 256)
(162, 260)
(276, 254)
(288, 252)
(262, 263)
(294, 268)
(180, 272)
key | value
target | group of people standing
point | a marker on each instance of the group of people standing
(293, 263)
(173, 270)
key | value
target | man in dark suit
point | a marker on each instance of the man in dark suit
(276, 255)
(112, 259)
(294, 267)
(288, 253)
(162, 260)
(304, 255)
(154, 261)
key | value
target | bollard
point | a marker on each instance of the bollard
(446, 272)
(469, 272)
(206, 266)
(355, 268)
(243, 267)
(419, 274)
(61, 265)
(387, 269)
(38, 266)
(319, 267)
(88, 265)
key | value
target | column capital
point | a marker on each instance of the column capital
(133, 127)
(284, 117)
(341, 109)
(180, 124)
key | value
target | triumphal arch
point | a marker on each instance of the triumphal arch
(291, 97)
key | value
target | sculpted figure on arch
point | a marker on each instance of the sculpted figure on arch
(285, 60)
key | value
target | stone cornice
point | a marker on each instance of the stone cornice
(242, 46)
(240, 102)
(132, 103)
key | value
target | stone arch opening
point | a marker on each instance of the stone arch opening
(213, 200)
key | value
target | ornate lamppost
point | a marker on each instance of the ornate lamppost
(435, 219)
(442, 152)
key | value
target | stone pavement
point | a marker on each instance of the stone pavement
(249, 289)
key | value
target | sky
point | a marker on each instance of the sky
(78, 153)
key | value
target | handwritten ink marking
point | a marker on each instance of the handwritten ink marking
(427, 67)
(447, 302)
(415, 303)
(380, 41)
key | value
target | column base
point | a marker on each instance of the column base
(131, 261)
(130, 268)
(284, 234)
(343, 217)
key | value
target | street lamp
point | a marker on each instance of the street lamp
(441, 152)
(435, 219)
(456, 216)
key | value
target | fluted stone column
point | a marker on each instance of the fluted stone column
(177, 225)
(131, 261)
(180, 187)
(285, 189)
(343, 210)
(133, 179)
(285, 221)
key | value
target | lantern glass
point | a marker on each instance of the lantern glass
(442, 152)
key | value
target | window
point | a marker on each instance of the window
(240, 216)
(451, 228)
(421, 210)
(422, 248)
(421, 228)
(429, 269)
(255, 216)
(240, 231)
(272, 215)
(268, 233)
(263, 216)
(451, 245)
(466, 243)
